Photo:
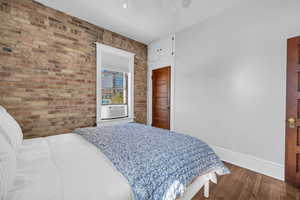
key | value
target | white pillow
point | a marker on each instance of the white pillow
(8, 166)
(10, 128)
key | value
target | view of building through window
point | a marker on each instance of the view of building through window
(114, 87)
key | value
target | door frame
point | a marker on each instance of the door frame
(172, 95)
(169, 92)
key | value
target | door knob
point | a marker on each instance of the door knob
(291, 122)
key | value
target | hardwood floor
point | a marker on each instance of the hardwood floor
(243, 184)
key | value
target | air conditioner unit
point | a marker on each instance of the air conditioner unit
(114, 111)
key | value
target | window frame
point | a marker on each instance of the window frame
(100, 48)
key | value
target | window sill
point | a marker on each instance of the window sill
(114, 121)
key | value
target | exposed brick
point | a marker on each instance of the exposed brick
(5, 7)
(48, 79)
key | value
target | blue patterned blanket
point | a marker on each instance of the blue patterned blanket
(157, 163)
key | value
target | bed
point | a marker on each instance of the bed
(66, 167)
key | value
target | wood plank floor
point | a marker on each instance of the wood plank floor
(243, 184)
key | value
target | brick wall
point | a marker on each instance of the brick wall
(48, 68)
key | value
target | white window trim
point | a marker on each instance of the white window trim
(119, 52)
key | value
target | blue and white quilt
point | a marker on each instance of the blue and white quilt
(158, 164)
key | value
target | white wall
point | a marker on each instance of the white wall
(161, 54)
(230, 78)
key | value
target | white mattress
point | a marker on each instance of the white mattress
(66, 167)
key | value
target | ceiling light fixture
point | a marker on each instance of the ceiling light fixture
(125, 4)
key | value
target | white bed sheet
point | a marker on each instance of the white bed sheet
(67, 167)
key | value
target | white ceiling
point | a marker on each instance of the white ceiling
(144, 20)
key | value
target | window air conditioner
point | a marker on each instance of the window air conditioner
(114, 111)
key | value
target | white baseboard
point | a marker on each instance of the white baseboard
(259, 165)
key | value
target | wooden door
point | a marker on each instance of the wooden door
(292, 152)
(161, 79)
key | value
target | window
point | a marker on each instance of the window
(114, 94)
(115, 80)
